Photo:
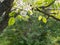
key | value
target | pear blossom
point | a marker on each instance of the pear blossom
(25, 7)
(20, 4)
(23, 13)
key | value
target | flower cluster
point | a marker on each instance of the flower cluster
(24, 6)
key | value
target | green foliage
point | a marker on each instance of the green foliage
(32, 32)
(44, 19)
(11, 21)
(27, 26)
(39, 3)
(39, 18)
(12, 14)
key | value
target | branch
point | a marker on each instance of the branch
(53, 9)
(45, 13)
(48, 5)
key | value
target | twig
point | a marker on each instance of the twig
(48, 15)
(53, 9)
(48, 5)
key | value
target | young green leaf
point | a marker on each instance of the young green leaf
(19, 17)
(30, 12)
(11, 21)
(39, 3)
(44, 20)
(39, 18)
(12, 14)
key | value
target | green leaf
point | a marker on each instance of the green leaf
(47, 2)
(19, 17)
(39, 18)
(25, 18)
(12, 14)
(30, 12)
(11, 21)
(44, 20)
(38, 3)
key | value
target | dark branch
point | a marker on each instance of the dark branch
(53, 9)
(48, 5)
(45, 13)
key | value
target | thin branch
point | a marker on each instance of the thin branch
(48, 15)
(48, 5)
(53, 9)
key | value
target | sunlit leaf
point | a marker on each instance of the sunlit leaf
(39, 18)
(12, 13)
(39, 2)
(11, 21)
(30, 12)
(44, 20)
(19, 17)
(47, 2)
(25, 18)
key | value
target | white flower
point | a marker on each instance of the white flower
(27, 7)
(20, 3)
(23, 13)
(24, 6)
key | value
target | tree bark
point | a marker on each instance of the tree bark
(5, 6)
